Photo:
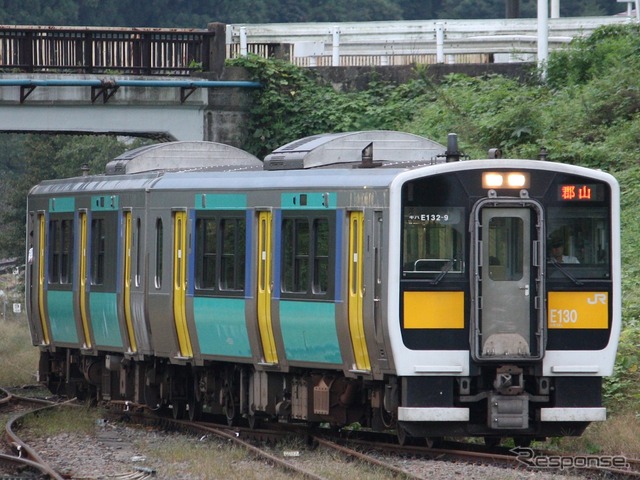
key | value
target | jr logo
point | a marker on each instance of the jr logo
(598, 298)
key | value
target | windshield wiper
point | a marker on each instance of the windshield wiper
(559, 266)
(445, 269)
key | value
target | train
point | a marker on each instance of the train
(376, 278)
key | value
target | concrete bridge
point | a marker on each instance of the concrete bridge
(162, 108)
(163, 83)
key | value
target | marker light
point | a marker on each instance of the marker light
(505, 180)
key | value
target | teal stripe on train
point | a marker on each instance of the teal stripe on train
(104, 319)
(221, 326)
(61, 317)
(221, 201)
(309, 331)
(310, 200)
(62, 204)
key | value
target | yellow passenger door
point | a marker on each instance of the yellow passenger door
(180, 283)
(128, 234)
(356, 291)
(270, 355)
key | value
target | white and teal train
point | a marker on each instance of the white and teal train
(372, 277)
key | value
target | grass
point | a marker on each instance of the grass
(617, 436)
(204, 459)
(19, 359)
(63, 420)
(214, 458)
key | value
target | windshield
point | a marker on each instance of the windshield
(578, 241)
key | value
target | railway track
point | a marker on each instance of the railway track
(24, 457)
(381, 458)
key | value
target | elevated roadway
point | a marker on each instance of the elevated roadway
(164, 108)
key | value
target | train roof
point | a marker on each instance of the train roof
(372, 148)
(341, 160)
(182, 156)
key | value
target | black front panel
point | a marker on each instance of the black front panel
(435, 249)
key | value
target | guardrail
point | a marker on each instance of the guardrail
(181, 52)
(136, 51)
(404, 42)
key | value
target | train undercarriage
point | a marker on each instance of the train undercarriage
(504, 401)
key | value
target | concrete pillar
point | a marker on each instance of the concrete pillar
(215, 49)
(335, 54)
(543, 36)
(439, 42)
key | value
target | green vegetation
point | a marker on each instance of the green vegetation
(18, 358)
(63, 419)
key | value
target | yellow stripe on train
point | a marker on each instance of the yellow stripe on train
(589, 310)
(433, 309)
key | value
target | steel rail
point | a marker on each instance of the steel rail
(25, 451)
(364, 457)
(267, 456)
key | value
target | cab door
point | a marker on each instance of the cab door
(507, 319)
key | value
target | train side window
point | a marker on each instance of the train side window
(98, 243)
(137, 247)
(159, 253)
(54, 251)
(295, 244)
(320, 255)
(61, 251)
(307, 254)
(232, 261)
(220, 246)
(206, 252)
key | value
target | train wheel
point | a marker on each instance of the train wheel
(194, 404)
(194, 409)
(253, 421)
(177, 409)
(402, 435)
(492, 441)
(522, 442)
(230, 409)
(434, 442)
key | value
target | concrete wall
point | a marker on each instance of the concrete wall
(215, 114)
(358, 78)
(227, 113)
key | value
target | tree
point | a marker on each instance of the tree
(45, 157)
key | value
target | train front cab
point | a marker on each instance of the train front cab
(504, 334)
